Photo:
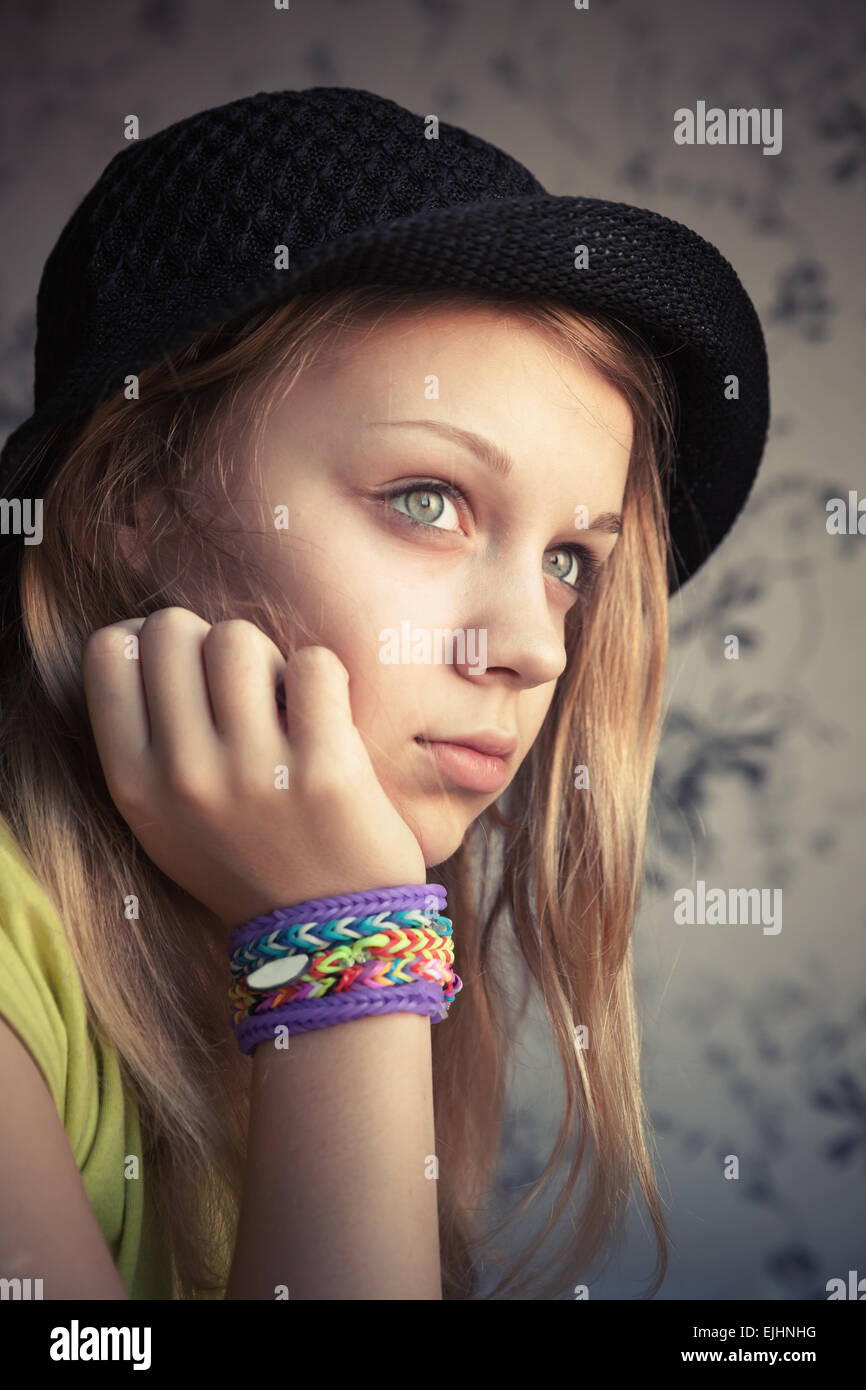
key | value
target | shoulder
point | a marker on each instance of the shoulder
(40, 991)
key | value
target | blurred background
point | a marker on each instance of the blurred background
(753, 1043)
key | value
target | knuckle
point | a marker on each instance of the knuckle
(174, 617)
(312, 656)
(128, 791)
(235, 631)
(104, 639)
(111, 637)
(321, 779)
(187, 783)
(321, 659)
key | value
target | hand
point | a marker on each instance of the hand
(191, 741)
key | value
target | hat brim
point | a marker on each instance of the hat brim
(654, 274)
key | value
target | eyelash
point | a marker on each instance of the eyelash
(590, 564)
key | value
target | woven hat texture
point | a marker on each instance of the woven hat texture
(178, 236)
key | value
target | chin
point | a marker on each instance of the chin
(440, 842)
(439, 822)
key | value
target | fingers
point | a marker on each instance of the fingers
(183, 735)
(114, 692)
(171, 691)
(243, 669)
(318, 709)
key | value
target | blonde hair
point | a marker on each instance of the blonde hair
(572, 861)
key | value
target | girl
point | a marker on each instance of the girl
(266, 492)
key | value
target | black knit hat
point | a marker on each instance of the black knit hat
(178, 236)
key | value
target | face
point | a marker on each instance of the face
(503, 566)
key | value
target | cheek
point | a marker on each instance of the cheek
(355, 592)
(363, 609)
(355, 571)
(361, 622)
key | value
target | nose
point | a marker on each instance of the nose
(517, 621)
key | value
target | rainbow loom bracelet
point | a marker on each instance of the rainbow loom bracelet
(424, 997)
(308, 940)
(408, 895)
(332, 971)
(392, 956)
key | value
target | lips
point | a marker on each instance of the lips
(490, 743)
(466, 767)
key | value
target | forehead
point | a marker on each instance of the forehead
(474, 358)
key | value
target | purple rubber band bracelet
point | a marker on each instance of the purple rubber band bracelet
(422, 998)
(407, 895)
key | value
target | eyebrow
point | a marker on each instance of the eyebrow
(494, 458)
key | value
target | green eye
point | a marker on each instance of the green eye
(590, 565)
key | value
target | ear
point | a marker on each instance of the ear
(129, 545)
(129, 533)
(85, 539)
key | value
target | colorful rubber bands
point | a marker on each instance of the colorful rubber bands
(329, 960)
